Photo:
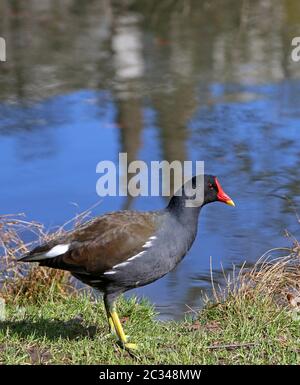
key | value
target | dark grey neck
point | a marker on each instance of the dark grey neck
(188, 216)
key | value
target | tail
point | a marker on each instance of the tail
(56, 256)
(45, 252)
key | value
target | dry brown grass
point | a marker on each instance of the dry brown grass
(20, 280)
(276, 279)
(24, 281)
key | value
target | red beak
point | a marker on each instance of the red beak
(222, 196)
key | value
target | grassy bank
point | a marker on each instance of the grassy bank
(74, 331)
(256, 320)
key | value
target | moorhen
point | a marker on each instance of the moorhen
(123, 250)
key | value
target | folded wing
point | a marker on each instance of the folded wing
(100, 244)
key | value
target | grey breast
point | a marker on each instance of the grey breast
(160, 254)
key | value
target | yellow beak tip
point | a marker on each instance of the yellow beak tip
(230, 203)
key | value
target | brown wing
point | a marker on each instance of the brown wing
(101, 243)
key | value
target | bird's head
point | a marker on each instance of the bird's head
(203, 189)
(213, 191)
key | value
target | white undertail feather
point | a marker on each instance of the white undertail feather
(52, 253)
(57, 250)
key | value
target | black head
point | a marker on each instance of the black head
(199, 191)
(213, 191)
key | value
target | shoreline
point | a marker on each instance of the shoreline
(254, 320)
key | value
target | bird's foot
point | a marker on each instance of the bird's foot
(130, 346)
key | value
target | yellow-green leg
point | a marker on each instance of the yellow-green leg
(116, 325)
(111, 325)
(110, 320)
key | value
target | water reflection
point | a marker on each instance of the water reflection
(191, 80)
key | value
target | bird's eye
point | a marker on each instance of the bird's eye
(211, 187)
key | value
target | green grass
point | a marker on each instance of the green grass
(255, 319)
(74, 331)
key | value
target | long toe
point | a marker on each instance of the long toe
(130, 346)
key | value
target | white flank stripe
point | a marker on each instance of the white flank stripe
(146, 245)
(121, 264)
(57, 250)
(136, 256)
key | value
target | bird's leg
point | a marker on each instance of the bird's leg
(111, 325)
(118, 327)
(110, 320)
(114, 319)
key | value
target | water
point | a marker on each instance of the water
(168, 80)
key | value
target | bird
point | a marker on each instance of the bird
(122, 250)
